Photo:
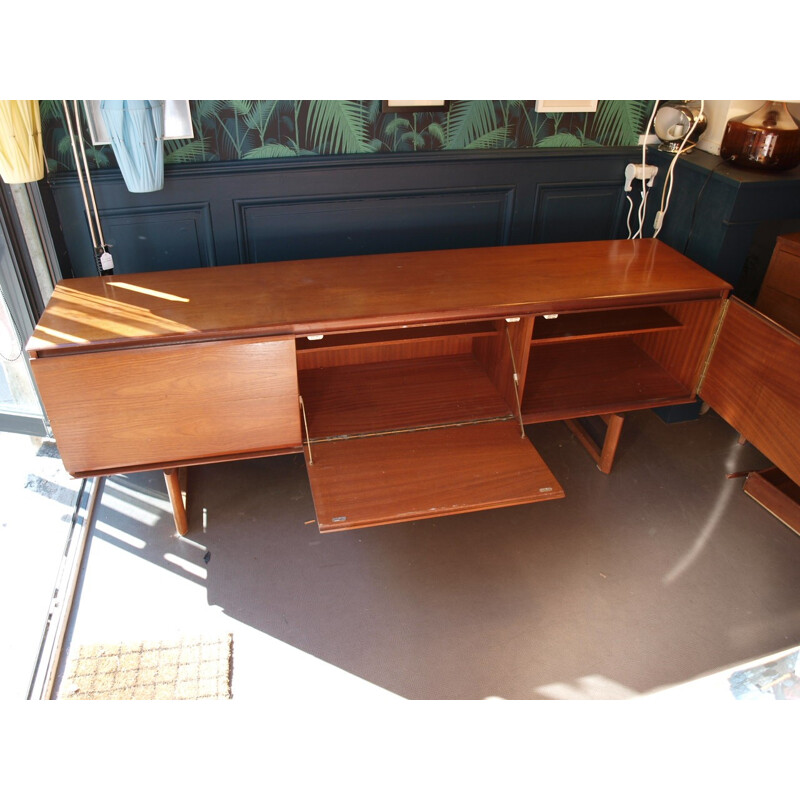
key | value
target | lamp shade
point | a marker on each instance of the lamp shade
(768, 139)
(136, 130)
(673, 122)
(21, 150)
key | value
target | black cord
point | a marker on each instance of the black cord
(696, 204)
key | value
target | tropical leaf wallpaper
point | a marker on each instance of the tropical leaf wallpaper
(230, 130)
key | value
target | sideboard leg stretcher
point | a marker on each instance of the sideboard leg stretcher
(604, 456)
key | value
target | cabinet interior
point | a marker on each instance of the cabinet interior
(569, 365)
(605, 361)
(401, 379)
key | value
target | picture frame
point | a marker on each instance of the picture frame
(565, 106)
(413, 106)
(177, 121)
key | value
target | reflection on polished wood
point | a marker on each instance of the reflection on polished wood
(361, 292)
(421, 371)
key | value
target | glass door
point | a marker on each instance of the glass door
(20, 407)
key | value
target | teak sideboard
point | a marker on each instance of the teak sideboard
(406, 378)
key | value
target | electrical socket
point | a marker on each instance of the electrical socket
(651, 139)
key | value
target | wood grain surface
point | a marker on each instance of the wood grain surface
(383, 479)
(326, 295)
(398, 395)
(113, 410)
(753, 382)
(779, 296)
(586, 377)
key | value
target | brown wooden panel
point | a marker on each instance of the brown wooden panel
(783, 271)
(599, 376)
(683, 352)
(779, 297)
(394, 335)
(159, 405)
(401, 477)
(595, 324)
(773, 490)
(496, 356)
(753, 382)
(318, 358)
(395, 395)
(781, 307)
(347, 293)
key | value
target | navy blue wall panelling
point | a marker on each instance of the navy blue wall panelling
(282, 209)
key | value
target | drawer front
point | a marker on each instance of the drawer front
(121, 410)
(779, 297)
(783, 273)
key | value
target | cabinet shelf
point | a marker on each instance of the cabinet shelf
(361, 399)
(418, 333)
(600, 324)
(391, 344)
(585, 377)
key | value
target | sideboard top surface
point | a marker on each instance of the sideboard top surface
(344, 293)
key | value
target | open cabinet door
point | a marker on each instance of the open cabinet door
(753, 382)
(377, 480)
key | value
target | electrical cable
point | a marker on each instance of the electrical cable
(666, 193)
(103, 260)
(697, 204)
(102, 245)
(643, 205)
(89, 219)
(628, 219)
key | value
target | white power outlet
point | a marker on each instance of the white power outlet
(651, 139)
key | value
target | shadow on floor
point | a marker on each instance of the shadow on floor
(653, 575)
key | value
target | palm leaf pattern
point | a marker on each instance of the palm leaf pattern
(467, 121)
(182, 151)
(619, 123)
(229, 130)
(271, 150)
(338, 126)
(561, 139)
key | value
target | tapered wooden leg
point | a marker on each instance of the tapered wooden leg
(613, 431)
(604, 456)
(173, 479)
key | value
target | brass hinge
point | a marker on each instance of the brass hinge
(713, 345)
(516, 382)
(305, 425)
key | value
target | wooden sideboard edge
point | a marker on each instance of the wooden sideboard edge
(386, 322)
(192, 462)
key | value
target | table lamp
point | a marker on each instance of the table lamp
(768, 139)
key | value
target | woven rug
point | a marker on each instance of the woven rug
(191, 668)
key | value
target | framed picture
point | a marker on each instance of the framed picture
(558, 106)
(177, 121)
(410, 106)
